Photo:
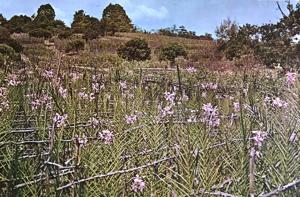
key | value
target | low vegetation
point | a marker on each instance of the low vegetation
(75, 45)
(135, 49)
(103, 109)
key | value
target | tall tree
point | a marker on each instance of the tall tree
(45, 17)
(115, 19)
(83, 23)
(59, 27)
(227, 30)
(78, 21)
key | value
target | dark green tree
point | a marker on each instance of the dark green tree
(181, 31)
(136, 49)
(45, 17)
(83, 23)
(7, 40)
(79, 22)
(171, 52)
(243, 43)
(59, 25)
(115, 19)
(19, 24)
(277, 46)
(272, 44)
(227, 30)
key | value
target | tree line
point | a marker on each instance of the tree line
(43, 24)
(273, 44)
(114, 19)
(181, 31)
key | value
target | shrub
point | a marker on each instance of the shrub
(6, 39)
(14, 44)
(4, 34)
(24, 38)
(7, 54)
(102, 60)
(75, 45)
(171, 52)
(64, 34)
(91, 35)
(136, 49)
(40, 33)
(37, 52)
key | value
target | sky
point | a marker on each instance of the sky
(201, 16)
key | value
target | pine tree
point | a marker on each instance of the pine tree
(45, 17)
(83, 23)
(115, 19)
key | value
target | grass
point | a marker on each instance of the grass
(173, 150)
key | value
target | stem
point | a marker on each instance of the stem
(179, 79)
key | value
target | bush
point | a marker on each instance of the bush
(171, 52)
(75, 45)
(37, 52)
(64, 34)
(40, 33)
(14, 44)
(7, 54)
(136, 49)
(101, 60)
(4, 34)
(6, 39)
(91, 35)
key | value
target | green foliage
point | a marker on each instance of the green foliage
(37, 52)
(83, 23)
(101, 60)
(4, 34)
(136, 49)
(242, 43)
(115, 19)
(171, 52)
(59, 24)
(58, 27)
(45, 17)
(3, 20)
(276, 47)
(18, 24)
(75, 45)
(14, 44)
(8, 55)
(181, 31)
(45, 11)
(79, 22)
(40, 33)
(64, 34)
(272, 44)
(227, 30)
(174, 156)
(91, 35)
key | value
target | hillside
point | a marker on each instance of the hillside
(103, 50)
